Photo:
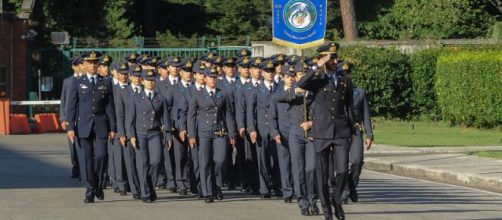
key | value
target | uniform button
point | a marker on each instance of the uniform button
(144, 112)
(207, 114)
(153, 112)
(93, 100)
(93, 115)
(215, 115)
(332, 117)
(214, 122)
(333, 109)
(151, 119)
(207, 122)
(266, 123)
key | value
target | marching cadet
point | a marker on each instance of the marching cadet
(356, 154)
(180, 143)
(125, 92)
(76, 63)
(211, 125)
(258, 119)
(227, 84)
(217, 62)
(104, 66)
(91, 119)
(207, 57)
(280, 126)
(301, 147)
(246, 156)
(131, 58)
(333, 126)
(243, 53)
(279, 59)
(151, 63)
(168, 168)
(141, 60)
(147, 119)
(193, 162)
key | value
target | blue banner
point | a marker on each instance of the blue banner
(299, 23)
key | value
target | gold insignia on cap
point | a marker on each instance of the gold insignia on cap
(281, 58)
(230, 60)
(218, 59)
(154, 60)
(345, 66)
(333, 48)
(106, 59)
(258, 61)
(245, 60)
(123, 66)
(189, 64)
(270, 64)
(305, 66)
(133, 56)
(244, 53)
(210, 55)
(176, 60)
(93, 54)
(202, 67)
(213, 70)
(149, 73)
(291, 69)
(137, 69)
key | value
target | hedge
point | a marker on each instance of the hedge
(385, 75)
(469, 87)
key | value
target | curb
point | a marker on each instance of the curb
(421, 172)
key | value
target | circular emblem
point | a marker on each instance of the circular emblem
(300, 15)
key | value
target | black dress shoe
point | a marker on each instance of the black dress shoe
(315, 210)
(183, 192)
(136, 196)
(288, 199)
(219, 194)
(75, 176)
(305, 212)
(328, 216)
(345, 201)
(339, 213)
(161, 187)
(123, 193)
(116, 190)
(209, 199)
(172, 189)
(201, 196)
(354, 197)
(153, 197)
(100, 195)
(255, 192)
(265, 196)
(89, 200)
(147, 200)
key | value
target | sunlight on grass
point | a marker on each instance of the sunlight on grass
(430, 134)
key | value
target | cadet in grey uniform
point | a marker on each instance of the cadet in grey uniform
(76, 64)
(356, 154)
(301, 147)
(147, 119)
(91, 118)
(211, 124)
(258, 119)
(123, 98)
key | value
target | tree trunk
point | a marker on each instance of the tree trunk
(349, 20)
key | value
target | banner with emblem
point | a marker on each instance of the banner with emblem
(299, 24)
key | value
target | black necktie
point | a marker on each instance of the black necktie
(150, 95)
(124, 86)
(231, 81)
(174, 82)
(136, 90)
(270, 88)
(211, 94)
(92, 81)
(200, 88)
(255, 84)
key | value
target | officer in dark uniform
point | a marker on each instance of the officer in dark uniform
(217, 62)
(211, 124)
(280, 60)
(91, 118)
(258, 119)
(207, 57)
(301, 147)
(356, 155)
(280, 126)
(75, 65)
(243, 53)
(104, 65)
(333, 126)
(147, 119)
(124, 93)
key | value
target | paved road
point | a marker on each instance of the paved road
(35, 184)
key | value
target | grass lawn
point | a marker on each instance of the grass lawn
(489, 154)
(432, 134)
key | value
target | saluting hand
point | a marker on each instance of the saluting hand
(253, 136)
(323, 60)
(71, 136)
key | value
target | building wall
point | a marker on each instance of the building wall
(13, 57)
